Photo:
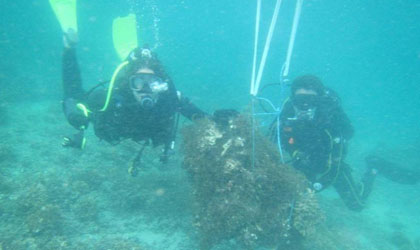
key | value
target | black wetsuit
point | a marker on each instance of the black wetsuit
(124, 118)
(318, 148)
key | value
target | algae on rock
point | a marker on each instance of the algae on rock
(254, 200)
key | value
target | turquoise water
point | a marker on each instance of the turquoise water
(368, 51)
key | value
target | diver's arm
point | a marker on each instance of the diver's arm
(340, 124)
(74, 96)
(74, 110)
(287, 130)
(73, 107)
(72, 82)
(189, 110)
(343, 124)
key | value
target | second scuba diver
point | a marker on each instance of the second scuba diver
(315, 130)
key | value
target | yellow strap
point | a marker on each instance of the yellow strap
(330, 155)
(83, 143)
(111, 85)
(330, 158)
(85, 110)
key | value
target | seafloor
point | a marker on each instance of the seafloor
(60, 198)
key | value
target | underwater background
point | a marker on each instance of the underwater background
(57, 198)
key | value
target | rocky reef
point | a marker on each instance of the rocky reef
(243, 193)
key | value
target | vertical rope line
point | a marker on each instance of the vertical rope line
(296, 18)
(279, 139)
(257, 31)
(267, 47)
(253, 132)
(254, 66)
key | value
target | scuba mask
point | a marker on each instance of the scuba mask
(147, 83)
(305, 106)
(146, 88)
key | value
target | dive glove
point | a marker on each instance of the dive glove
(75, 141)
(76, 114)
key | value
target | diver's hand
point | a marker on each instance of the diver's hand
(78, 120)
(75, 141)
(222, 116)
(75, 116)
(70, 38)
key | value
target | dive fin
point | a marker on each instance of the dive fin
(65, 11)
(124, 35)
(392, 171)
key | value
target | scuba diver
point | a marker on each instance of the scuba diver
(141, 102)
(315, 130)
(142, 106)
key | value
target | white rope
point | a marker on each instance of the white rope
(296, 18)
(257, 31)
(255, 82)
(266, 48)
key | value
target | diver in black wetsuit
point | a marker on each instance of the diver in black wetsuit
(315, 130)
(141, 104)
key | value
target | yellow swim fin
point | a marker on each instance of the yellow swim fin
(65, 11)
(124, 35)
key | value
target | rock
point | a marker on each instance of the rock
(256, 202)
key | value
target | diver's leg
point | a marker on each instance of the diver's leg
(392, 171)
(367, 182)
(352, 194)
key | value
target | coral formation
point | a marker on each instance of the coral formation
(305, 220)
(40, 214)
(254, 200)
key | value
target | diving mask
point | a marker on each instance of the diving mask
(146, 89)
(147, 83)
(305, 106)
(305, 101)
